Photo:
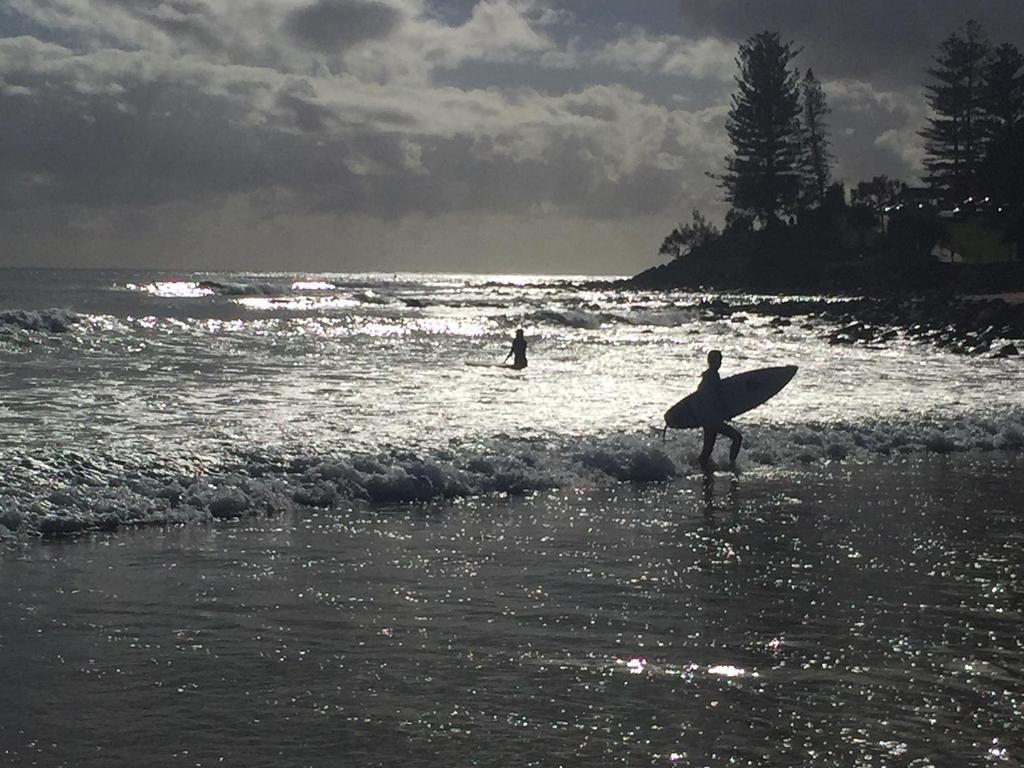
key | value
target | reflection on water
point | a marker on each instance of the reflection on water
(863, 615)
(204, 364)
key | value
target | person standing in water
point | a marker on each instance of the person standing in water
(518, 352)
(711, 386)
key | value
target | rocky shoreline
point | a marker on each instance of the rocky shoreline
(992, 327)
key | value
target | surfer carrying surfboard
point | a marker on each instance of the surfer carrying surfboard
(718, 400)
(518, 352)
(711, 388)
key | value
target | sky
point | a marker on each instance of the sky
(508, 136)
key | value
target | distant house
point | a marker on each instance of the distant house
(974, 229)
(921, 197)
(911, 199)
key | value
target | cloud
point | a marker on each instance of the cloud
(875, 129)
(158, 114)
(334, 25)
(707, 58)
(131, 127)
(497, 31)
(906, 144)
(187, 20)
(859, 95)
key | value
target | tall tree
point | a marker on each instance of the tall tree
(1003, 90)
(761, 176)
(954, 137)
(815, 157)
(1003, 94)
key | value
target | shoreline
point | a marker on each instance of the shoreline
(232, 497)
(771, 604)
(974, 325)
(975, 315)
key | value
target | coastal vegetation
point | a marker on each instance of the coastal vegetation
(792, 226)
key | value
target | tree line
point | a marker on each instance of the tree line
(779, 172)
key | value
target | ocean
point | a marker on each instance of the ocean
(277, 519)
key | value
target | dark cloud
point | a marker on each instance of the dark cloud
(157, 140)
(334, 25)
(591, 110)
(885, 40)
(300, 101)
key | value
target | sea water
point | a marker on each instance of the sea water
(389, 556)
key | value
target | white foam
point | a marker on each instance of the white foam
(569, 318)
(82, 494)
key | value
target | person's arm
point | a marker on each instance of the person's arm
(711, 383)
(717, 389)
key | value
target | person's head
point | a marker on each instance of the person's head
(715, 359)
(519, 333)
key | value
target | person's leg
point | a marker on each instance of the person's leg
(709, 444)
(737, 440)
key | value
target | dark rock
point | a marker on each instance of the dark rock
(319, 495)
(171, 492)
(61, 498)
(230, 503)
(10, 519)
(61, 525)
(1008, 350)
(110, 522)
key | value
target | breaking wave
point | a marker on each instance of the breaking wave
(245, 289)
(67, 492)
(667, 317)
(569, 318)
(42, 320)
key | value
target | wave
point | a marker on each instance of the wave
(270, 290)
(83, 493)
(569, 318)
(245, 289)
(364, 295)
(42, 320)
(664, 317)
(370, 297)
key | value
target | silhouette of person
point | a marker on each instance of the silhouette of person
(711, 385)
(518, 352)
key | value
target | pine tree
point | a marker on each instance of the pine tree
(762, 178)
(815, 157)
(954, 138)
(1003, 95)
(1003, 90)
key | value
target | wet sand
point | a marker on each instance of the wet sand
(1010, 298)
(831, 616)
